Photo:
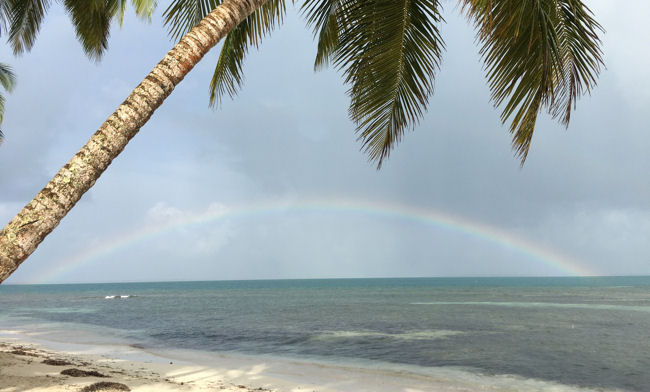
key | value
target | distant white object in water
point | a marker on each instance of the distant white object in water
(124, 296)
(117, 296)
(109, 297)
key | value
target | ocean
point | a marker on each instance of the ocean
(589, 332)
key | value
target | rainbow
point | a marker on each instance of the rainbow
(564, 264)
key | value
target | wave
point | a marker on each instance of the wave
(118, 296)
(412, 335)
(543, 305)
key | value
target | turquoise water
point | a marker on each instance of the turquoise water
(591, 332)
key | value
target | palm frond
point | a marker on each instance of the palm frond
(325, 16)
(538, 55)
(25, 17)
(7, 77)
(389, 51)
(8, 81)
(582, 57)
(228, 73)
(5, 17)
(121, 10)
(2, 112)
(144, 8)
(92, 22)
(181, 15)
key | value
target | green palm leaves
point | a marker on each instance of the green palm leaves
(388, 51)
(7, 80)
(228, 76)
(538, 55)
(25, 17)
(182, 15)
(91, 19)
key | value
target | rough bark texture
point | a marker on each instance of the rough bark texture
(37, 219)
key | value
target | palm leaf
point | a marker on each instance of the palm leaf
(2, 112)
(228, 73)
(91, 19)
(7, 77)
(143, 8)
(92, 22)
(182, 15)
(325, 16)
(8, 81)
(389, 51)
(538, 55)
(5, 17)
(25, 17)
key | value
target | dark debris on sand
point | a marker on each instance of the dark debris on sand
(104, 386)
(82, 373)
(56, 362)
(23, 352)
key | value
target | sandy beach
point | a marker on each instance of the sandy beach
(28, 366)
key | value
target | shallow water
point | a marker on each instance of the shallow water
(591, 332)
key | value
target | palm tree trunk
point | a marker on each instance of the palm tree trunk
(37, 219)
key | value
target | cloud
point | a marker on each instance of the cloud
(625, 47)
(189, 233)
(161, 213)
(612, 240)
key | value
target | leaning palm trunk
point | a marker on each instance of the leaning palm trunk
(37, 219)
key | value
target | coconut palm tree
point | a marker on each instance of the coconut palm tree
(539, 55)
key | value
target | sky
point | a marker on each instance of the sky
(273, 184)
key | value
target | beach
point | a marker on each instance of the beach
(374, 335)
(28, 367)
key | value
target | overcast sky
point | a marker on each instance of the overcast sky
(273, 184)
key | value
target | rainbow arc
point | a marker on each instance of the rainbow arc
(564, 264)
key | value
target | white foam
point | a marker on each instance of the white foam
(543, 305)
(411, 335)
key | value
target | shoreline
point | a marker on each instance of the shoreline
(26, 366)
(22, 369)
